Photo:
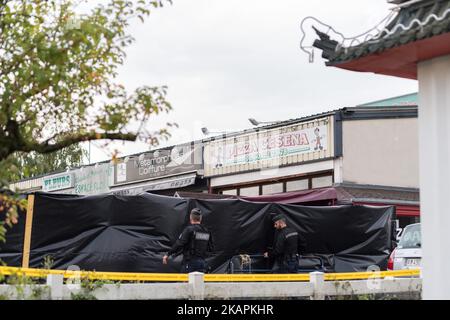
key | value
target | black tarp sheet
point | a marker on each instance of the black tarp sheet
(132, 233)
(11, 250)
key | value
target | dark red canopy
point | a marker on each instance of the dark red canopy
(406, 201)
(297, 196)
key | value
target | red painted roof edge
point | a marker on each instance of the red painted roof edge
(400, 61)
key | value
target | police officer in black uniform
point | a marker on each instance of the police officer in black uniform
(285, 246)
(195, 242)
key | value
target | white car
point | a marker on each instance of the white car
(408, 254)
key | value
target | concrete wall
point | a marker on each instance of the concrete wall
(317, 288)
(381, 152)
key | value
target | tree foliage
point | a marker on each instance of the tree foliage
(22, 165)
(58, 76)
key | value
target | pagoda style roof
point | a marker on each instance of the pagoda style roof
(420, 31)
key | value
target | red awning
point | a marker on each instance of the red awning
(401, 210)
(297, 196)
(331, 194)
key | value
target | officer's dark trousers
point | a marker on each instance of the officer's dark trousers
(288, 265)
(291, 265)
(195, 264)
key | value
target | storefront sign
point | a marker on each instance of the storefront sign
(175, 184)
(58, 182)
(129, 192)
(269, 147)
(159, 163)
(93, 179)
(160, 184)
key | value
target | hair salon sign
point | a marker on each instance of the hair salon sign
(268, 147)
(159, 163)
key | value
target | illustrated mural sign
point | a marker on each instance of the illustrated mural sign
(271, 145)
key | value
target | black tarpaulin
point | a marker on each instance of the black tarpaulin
(12, 249)
(132, 233)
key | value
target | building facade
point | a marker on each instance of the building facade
(289, 157)
(163, 171)
(361, 155)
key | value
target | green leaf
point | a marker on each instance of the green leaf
(62, 79)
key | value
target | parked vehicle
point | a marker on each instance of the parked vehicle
(408, 254)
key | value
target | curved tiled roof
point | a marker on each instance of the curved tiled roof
(394, 35)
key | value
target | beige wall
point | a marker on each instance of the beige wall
(381, 152)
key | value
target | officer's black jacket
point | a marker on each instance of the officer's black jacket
(286, 242)
(184, 242)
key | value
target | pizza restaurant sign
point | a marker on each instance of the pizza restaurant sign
(268, 145)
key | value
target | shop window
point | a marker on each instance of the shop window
(321, 182)
(272, 188)
(297, 185)
(232, 192)
(249, 192)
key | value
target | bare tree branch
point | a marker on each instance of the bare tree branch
(72, 139)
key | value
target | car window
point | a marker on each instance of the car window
(411, 237)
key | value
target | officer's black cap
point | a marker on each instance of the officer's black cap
(196, 212)
(278, 217)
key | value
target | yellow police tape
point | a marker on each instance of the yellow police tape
(178, 277)
(371, 274)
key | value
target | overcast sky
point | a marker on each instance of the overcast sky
(225, 61)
